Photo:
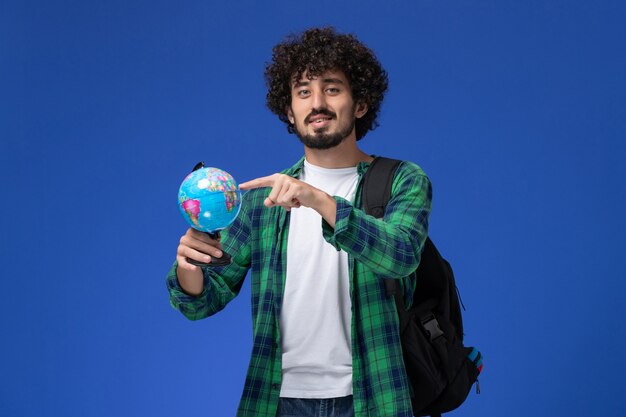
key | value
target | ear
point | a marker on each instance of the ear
(360, 109)
(289, 113)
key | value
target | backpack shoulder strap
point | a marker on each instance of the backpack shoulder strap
(377, 184)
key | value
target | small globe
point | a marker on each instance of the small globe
(209, 199)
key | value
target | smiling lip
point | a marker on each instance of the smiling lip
(319, 120)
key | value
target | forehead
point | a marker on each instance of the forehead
(330, 76)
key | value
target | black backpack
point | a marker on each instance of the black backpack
(440, 369)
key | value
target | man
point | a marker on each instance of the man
(326, 339)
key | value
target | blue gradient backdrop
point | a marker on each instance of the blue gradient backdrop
(516, 110)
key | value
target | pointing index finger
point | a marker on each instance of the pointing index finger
(258, 183)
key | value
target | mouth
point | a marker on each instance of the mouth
(319, 121)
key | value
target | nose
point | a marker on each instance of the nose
(318, 100)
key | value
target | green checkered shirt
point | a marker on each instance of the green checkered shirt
(377, 249)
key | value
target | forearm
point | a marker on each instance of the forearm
(194, 307)
(389, 249)
(390, 246)
(209, 296)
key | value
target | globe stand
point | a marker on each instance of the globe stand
(225, 259)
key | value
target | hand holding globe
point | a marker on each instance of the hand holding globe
(209, 200)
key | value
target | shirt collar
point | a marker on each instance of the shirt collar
(295, 170)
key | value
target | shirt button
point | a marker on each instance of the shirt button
(275, 386)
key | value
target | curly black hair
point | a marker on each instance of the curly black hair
(316, 51)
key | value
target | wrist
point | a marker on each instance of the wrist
(191, 282)
(326, 206)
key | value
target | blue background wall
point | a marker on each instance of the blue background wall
(516, 110)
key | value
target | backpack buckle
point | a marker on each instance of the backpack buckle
(431, 325)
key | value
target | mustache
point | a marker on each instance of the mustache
(324, 112)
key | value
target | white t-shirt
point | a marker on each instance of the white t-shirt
(316, 313)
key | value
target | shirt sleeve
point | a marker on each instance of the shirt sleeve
(390, 246)
(221, 284)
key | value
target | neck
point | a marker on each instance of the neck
(346, 154)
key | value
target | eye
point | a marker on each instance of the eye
(333, 90)
(302, 93)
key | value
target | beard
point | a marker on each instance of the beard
(320, 139)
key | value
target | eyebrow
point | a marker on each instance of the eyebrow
(329, 80)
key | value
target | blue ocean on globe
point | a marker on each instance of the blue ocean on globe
(209, 199)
